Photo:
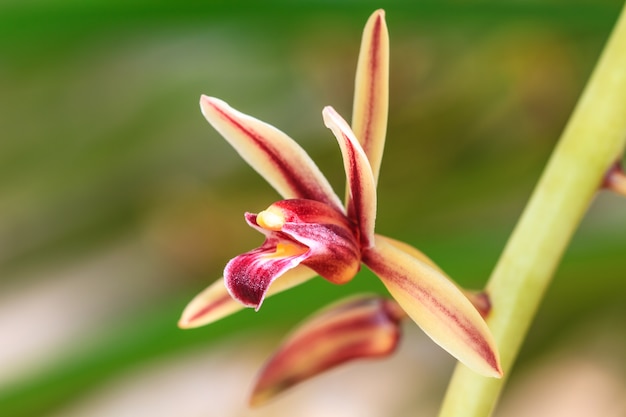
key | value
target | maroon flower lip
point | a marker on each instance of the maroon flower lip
(310, 232)
(297, 231)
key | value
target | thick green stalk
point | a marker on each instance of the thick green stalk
(592, 140)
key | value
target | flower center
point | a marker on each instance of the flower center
(270, 219)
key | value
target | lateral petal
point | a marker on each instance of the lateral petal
(371, 90)
(273, 154)
(360, 180)
(356, 328)
(437, 306)
(215, 302)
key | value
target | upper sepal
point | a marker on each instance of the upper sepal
(371, 90)
(360, 327)
(436, 305)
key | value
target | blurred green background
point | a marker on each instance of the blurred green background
(118, 202)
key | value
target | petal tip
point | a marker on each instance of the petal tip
(205, 104)
(188, 321)
(208, 103)
(489, 363)
(495, 372)
(328, 113)
(192, 317)
(204, 100)
(184, 323)
(336, 123)
(210, 305)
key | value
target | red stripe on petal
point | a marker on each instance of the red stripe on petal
(215, 303)
(273, 154)
(210, 305)
(209, 308)
(374, 64)
(436, 305)
(371, 92)
(360, 180)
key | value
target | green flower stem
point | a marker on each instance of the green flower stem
(591, 142)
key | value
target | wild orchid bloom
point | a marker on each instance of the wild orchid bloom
(312, 233)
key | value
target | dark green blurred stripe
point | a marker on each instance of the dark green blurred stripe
(92, 16)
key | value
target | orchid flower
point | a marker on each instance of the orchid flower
(310, 232)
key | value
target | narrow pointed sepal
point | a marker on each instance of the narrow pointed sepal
(273, 154)
(371, 90)
(480, 299)
(437, 306)
(215, 303)
(357, 328)
(360, 180)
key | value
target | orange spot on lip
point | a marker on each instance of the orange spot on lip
(286, 250)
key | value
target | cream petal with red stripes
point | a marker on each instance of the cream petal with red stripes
(371, 90)
(215, 303)
(436, 305)
(360, 182)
